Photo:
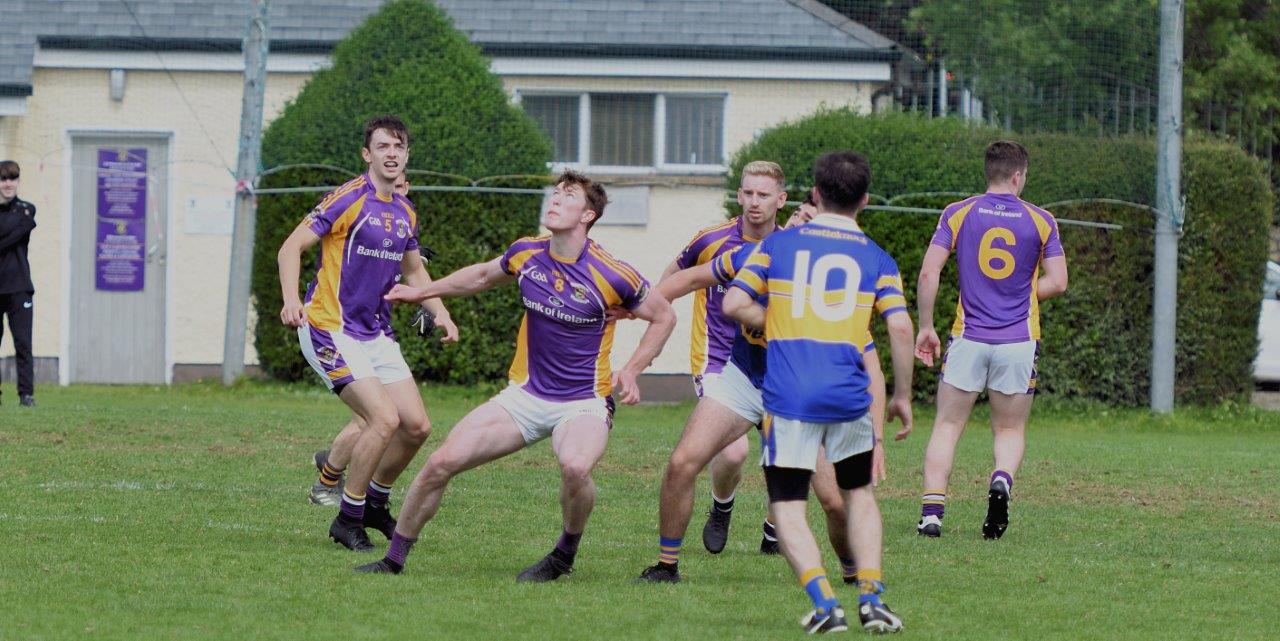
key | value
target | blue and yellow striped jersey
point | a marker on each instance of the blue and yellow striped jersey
(821, 283)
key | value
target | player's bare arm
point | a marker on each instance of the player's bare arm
(662, 320)
(416, 275)
(900, 331)
(1054, 281)
(289, 262)
(739, 306)
(687, 281)
(464, 282)
(928, 346)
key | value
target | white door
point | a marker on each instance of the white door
(119, 210)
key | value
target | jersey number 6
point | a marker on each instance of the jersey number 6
(988, 253)
(810, 287)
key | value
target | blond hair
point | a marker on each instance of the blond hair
(765, 168)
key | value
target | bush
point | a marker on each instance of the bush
(1097, 337)
(408, 60)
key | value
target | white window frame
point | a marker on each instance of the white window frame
(659, 133)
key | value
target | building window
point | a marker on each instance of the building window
(622, 129)
(558, 117)
(695, 125)
(633, 131)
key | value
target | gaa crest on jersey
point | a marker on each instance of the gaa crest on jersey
(579, 292)
(313, 216)
(402, 228)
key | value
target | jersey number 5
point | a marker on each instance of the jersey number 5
(810, 287)
(988, 254)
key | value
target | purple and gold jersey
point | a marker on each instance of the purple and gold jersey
(711, 340)
(821, 282)
(363, 238)
(999, 241)
(562, 351)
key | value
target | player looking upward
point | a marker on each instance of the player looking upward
(820, 283)
(561, 383)
(1001, 243)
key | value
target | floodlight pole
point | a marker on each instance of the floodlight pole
(1164, 313)
(255, 76)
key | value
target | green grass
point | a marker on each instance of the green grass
(180, 513)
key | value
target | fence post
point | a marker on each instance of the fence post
(1168, 207)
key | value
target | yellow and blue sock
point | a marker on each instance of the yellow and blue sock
(819, 589)
(669, 550)
(870, 585)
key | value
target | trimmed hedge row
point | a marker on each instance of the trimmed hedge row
(1097, 337)
(408, 60)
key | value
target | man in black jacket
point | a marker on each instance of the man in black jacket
(17, 219)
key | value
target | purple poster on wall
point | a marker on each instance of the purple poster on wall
(121, 255)
(122, 183)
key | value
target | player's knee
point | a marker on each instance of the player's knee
(685, 463)
(416, 429)
(833, 504)
(383, 420)
(441, 466)
(787, 483)
(575, 472)
(735, 454)
(854, 472)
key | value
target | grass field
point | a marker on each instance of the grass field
(180, 513)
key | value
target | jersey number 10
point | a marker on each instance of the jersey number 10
(809, 286)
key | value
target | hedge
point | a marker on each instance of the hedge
(1097, 337)
(408, 60)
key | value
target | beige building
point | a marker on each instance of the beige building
(126, 128)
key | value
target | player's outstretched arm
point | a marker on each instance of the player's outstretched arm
(415, 275)
(1054, 281)
(739, 306)
(900, 331)
(289, 262)
(662, 320)
(687, 281)
(928, 346)
(464, 282)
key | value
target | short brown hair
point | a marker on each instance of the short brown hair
(9, 170)
(1003, 158)
(842, 179)
(393, 124)
(765, 168)
(594, 191)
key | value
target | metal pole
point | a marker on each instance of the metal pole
(942, 88)
(1168, 206)
(255, 76)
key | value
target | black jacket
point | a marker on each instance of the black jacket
(17, 219)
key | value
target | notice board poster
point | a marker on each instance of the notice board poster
(120, 260)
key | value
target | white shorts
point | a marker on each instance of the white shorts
(340, 359)
(1008, 368)
(789, 443)
(538, 418)
(732, 389)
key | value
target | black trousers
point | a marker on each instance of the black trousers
(18, 307)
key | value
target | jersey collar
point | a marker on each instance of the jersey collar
(839, 222)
